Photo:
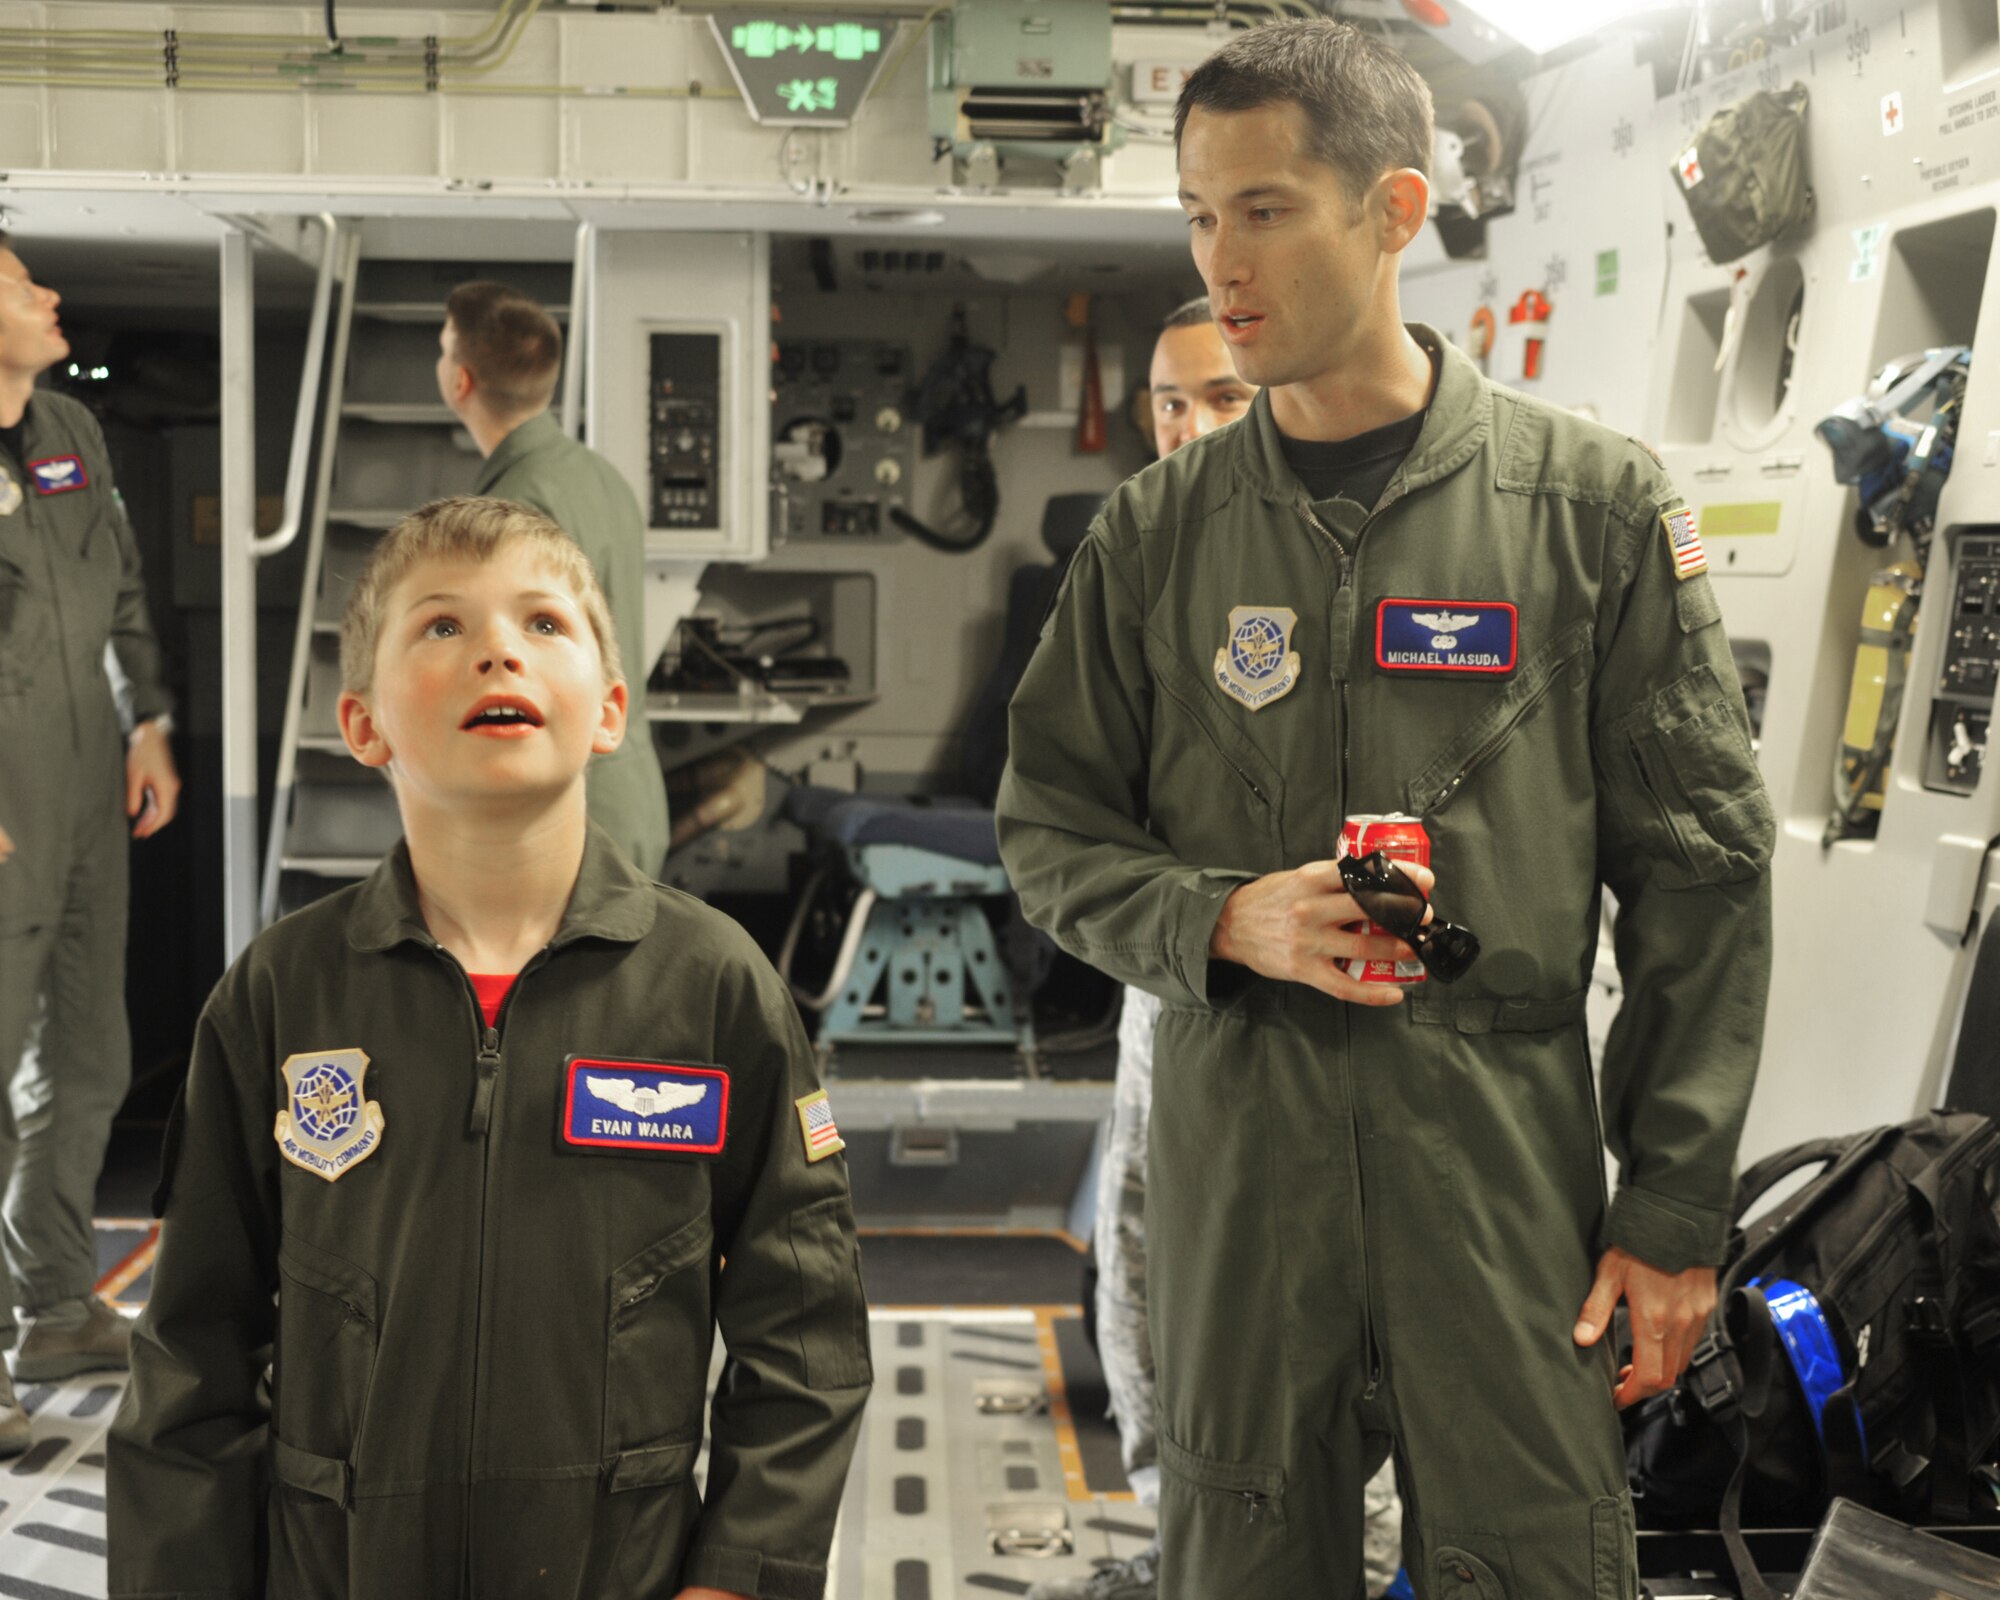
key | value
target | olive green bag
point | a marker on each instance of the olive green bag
(1744, 177)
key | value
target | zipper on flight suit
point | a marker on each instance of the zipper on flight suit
(480, 1122)
(1349, 574)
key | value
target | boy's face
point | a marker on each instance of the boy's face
(488, 684)
(1195, 389)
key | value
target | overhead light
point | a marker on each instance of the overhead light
(1545, 25)
(898, 217)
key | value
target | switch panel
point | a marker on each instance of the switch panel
(1962, 711)
(685, 430)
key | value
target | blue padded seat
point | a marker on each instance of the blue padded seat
(955, 828)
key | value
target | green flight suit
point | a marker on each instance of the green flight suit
(69, 582)
(490, 1346)
(541, 466)
(1378, 1226)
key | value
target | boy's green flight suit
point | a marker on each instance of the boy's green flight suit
(490, 1346)
(69, 582)
(576, 488)
(1383, 1223)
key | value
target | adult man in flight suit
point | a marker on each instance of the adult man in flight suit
(69, 582)
(1192, 389)
(499, 354)
(1381, 1222)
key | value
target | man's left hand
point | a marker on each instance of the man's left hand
(152, 786)
(1667, 1312)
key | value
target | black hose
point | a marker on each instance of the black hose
(978, 489)
(332, 32)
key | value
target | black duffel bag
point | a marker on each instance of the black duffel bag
(1854, 1350)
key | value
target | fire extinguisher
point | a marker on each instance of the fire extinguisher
(1532, 308)
(1092, 435)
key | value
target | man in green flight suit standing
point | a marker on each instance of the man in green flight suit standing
(1379, 1219)
(499, 357)
(71, 787)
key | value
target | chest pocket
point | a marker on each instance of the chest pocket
(23, 628)
(1209, 787)
(1487, 734)
(327, 1326)
(656, 1356)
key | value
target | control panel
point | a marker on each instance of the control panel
(1962, 713)
(685, 430)
(843, 450)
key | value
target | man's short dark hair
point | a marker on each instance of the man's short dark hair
(1367, 109)
(510, 345)
(1191, 315)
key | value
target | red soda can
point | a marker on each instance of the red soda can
(1400, 838)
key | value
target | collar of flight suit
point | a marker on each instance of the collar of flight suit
(537, 433)
(1456, 425)
(611, 901)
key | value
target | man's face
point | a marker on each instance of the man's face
(1195, 386)
(31, 340)
(452, 379)
(488, 684)
(1292, 264)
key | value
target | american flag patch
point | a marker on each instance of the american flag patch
(817, 1124)
(1684, 543)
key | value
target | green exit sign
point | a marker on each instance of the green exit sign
(801, 69)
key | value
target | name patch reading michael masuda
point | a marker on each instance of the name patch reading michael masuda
(1478, 637)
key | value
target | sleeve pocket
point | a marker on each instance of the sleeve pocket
(833, 1312)
(1695, 796)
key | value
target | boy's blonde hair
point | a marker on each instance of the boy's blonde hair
(465, 528)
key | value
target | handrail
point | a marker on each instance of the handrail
(281, 537)
(579, 326)
(286, 779)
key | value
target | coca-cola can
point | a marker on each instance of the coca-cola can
(1400, 838)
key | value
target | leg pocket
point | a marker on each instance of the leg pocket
(658, 1334)
(640, 1537)
(1222, 1525)
(1614, 1549)
(1461, 1575)
(308, 1545)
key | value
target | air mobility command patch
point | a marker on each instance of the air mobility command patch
(58, 474)
(10, 492)
(816, 1123)
(1449, 637)
(1684, 543)
(327, 1127)
(652, 1108)
(1258, 665)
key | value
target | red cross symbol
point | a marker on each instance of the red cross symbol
(1891, 112)
(1688, 171)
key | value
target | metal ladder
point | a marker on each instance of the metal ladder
(388, 444)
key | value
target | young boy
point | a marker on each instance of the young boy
(507, 1131)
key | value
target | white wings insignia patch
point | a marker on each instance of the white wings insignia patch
(1445, 626)
(649, 1101)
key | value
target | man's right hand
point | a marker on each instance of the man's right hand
(1297, 925)
(6, 847)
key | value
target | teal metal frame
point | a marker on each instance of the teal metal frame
(926, 949)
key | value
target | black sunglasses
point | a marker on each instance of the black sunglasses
(1393, 901)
